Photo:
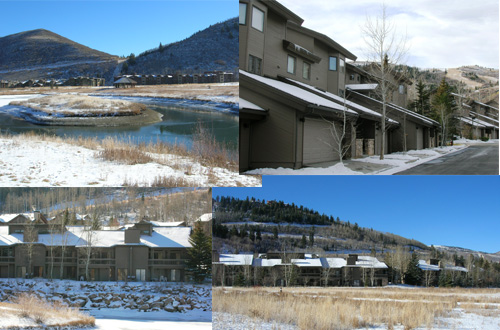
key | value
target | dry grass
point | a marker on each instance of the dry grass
(184, 91)
(81, 105)
(43, 313)
(346, 308)
(127, 152)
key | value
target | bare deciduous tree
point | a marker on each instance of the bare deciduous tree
(385, 49)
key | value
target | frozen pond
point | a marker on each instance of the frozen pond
(180, 119)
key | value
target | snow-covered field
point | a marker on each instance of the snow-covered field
(36, 162)
(391, 164)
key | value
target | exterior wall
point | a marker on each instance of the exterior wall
(273, 140)
(131, 258)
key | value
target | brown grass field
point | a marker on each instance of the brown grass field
(78, 105)
(31, 308)
(352, 308)
(185, 91)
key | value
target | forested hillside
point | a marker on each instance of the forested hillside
(260, 226)
(214, 48)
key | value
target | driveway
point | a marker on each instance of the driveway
(479, 159)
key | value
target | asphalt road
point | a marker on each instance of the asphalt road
(474, 160)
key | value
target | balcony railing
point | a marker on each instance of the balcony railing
(166, 262)
(7, 259)
(103, 261)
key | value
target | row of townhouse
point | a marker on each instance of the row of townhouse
(288, 269)
(432, 269)
(144, 251)
(74, 81)
(476, 119)
(202, 78)
(296, 82)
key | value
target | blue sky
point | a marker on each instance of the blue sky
(116, 27)
(459, 211)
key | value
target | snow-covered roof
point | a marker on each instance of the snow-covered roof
(352, 105)
(369, 262)
(485, 117)
(244, 104)
(401, 109)
(169, 237)
(125, 80)
(205, 217)
(333, 262)
(8, 217)
(260, 262)
(307, 262)
(297, 92)
(362, 87)
(422, 264)
(236, 259)
(485, 105)
(167, 224)
(455, 268)
(475, 122)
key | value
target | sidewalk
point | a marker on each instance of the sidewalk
(392, 163)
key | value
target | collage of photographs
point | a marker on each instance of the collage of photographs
(250, 164)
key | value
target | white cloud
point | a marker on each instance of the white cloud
(442, 34)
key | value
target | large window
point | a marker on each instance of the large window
(254, 64)
(306, 71)
(332, 64)
(401, 89)
(257, 19)
(243, 13)
(342, 65)
(290, 68)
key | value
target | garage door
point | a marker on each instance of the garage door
(420, 138)
(317, 136)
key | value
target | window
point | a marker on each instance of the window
(140, 275)
(341, 92)
(332, 64)
(306, 71)
(290, 68)
(401, 89)
(351, 77)
(342, 65)
(257, 19)
(254, 64)
(243, 13)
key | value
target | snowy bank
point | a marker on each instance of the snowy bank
(38, 161)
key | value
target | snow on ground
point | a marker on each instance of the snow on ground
(119, 324)
(392, 163)
(457, 319)
(35, 162)
(337, 169)
(240, 322)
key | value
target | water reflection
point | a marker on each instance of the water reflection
(177, 126)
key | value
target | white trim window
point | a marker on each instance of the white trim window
(290, 68)
(254, 64)
(243, 13)
(306, 71)
(332, 63)
(342, 65)
(401, 89)
(258, 19)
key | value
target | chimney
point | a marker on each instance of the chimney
(36, 215)
(351, 259)
(132, 236)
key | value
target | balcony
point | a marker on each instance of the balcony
(7, 259)
(158, 262)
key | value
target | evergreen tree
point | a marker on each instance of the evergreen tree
(443, 105)
(414, 274)
(303, 242)
(311, 237)
(275, 232)
(422, 104)
(199, 262)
